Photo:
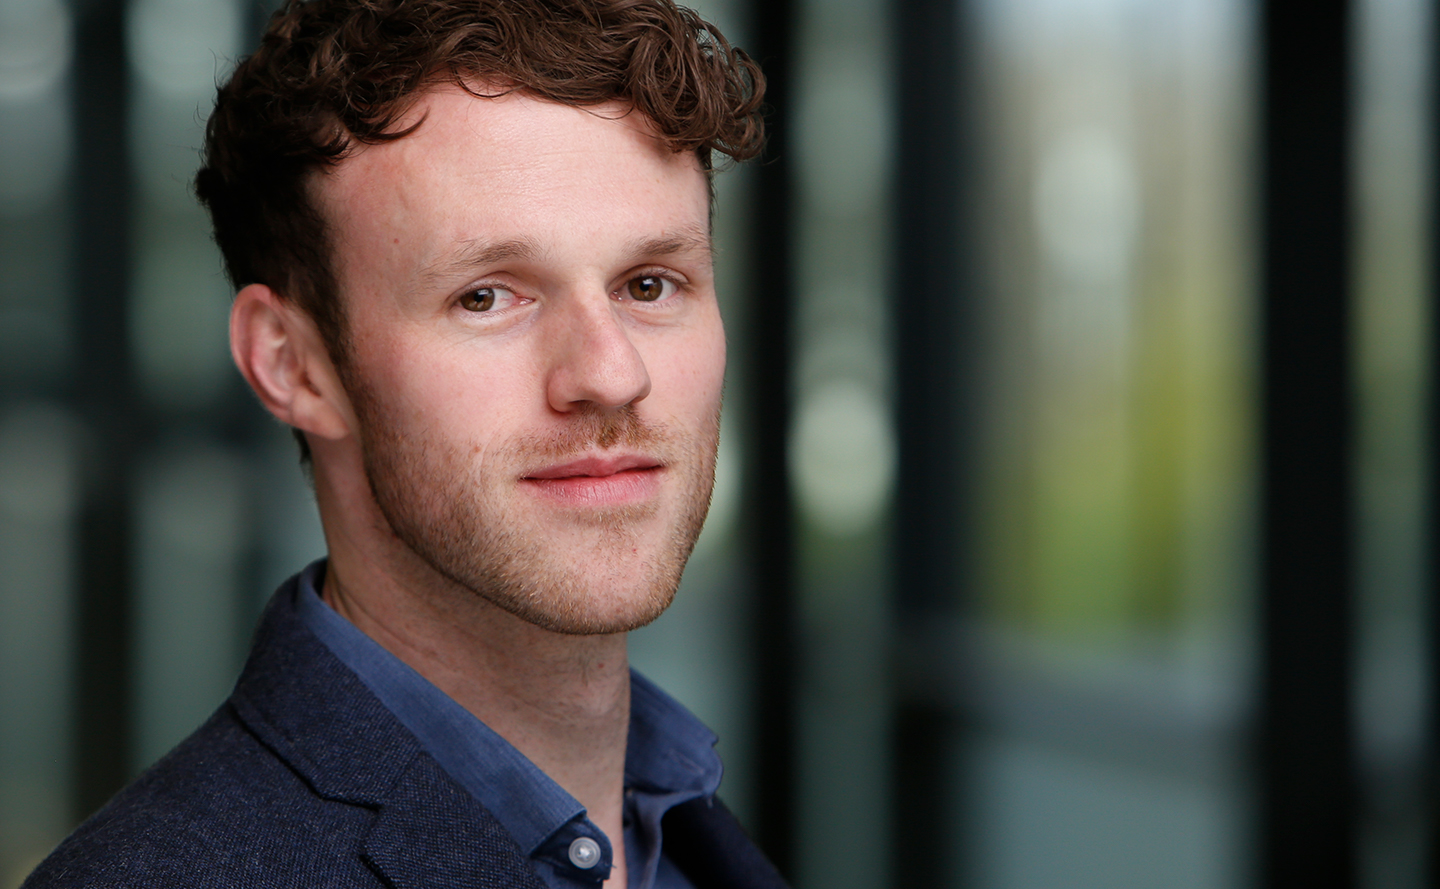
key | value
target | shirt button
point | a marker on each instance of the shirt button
(584, 853)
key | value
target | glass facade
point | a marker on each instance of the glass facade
(1111, 623)
(1098, 662)
(40, 435)
(1392, 312)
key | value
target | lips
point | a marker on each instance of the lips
(594, 467)
(598, 482)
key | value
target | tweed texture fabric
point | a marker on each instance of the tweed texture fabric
(303, 778)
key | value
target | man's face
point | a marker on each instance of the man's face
(534, 352)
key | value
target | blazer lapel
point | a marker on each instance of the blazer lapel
(317, 716)
(431, 834)
(428, 833)
(710, 847)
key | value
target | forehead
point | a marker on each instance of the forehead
(486, 170)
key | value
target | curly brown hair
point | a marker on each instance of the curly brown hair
(332, 73)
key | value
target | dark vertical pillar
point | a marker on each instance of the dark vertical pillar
(1307, 779)
(768, 510)
(102, 392)
(931, 317)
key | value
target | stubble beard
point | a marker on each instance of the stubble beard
(472, 526)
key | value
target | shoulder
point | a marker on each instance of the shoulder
(302, 778)
(219, 810)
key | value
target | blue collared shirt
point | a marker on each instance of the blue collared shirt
(670, 758)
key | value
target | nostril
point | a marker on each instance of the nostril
(597, 363)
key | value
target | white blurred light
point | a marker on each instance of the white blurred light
(34, 123)
(844, 131)
(179, 47)
(842, 457)
(34, 47)
(34, 151)
(1086, 203)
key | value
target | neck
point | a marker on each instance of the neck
(563, 701)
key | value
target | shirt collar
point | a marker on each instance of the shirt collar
(668, 749)
(669, 752)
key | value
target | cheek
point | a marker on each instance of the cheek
(442, 393)
(697, 371)
(715, 366)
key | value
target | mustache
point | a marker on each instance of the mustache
(593, 427)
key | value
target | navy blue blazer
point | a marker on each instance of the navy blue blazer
(303, 778)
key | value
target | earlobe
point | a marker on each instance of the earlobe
(280, 354)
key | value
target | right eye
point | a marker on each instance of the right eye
(487, 299)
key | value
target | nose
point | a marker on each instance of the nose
(594, 361)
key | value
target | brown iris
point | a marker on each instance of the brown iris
(646, 288)
(481, 300)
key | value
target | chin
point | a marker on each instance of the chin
(572, 571)
(577, 611)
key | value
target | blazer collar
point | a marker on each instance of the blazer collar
(318, 717)
(713, 850)
(432, 833)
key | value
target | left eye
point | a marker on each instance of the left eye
(649, 288)
(487, 299)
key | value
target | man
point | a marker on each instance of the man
(473, 250)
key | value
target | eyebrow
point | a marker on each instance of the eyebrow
(689, 241)
(473, 254)
(476, 254)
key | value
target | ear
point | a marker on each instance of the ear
(281, 355)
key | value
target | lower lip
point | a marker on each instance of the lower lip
(622, 488)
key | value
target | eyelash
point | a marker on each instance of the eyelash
(469, 291)
(664, 276)
(676, 285)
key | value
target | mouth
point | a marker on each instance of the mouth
(598, 481)
(594, 467)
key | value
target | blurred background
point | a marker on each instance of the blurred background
(1072, 521)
